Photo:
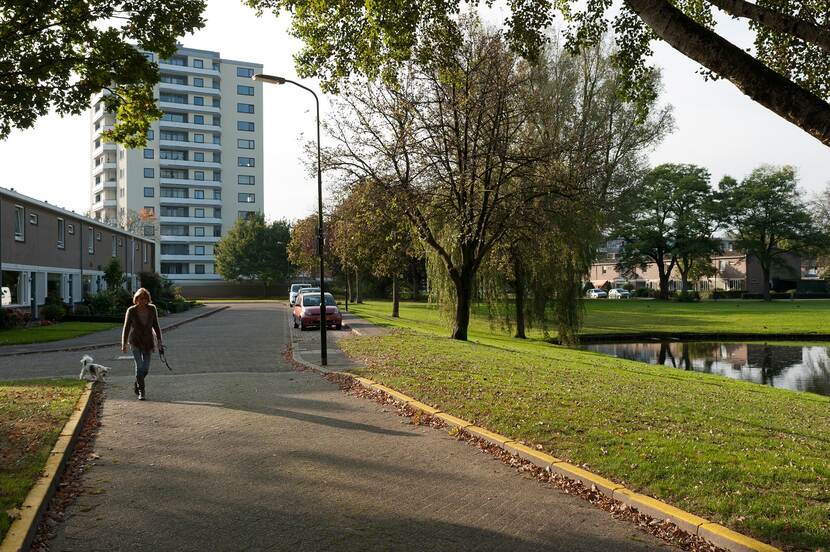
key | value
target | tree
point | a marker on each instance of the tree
(254, 250)
(770, 217)
(789, 72)
(302, 245)
(113, 274)
(670, 223)
(56, 55)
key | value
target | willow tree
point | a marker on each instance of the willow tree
(451, 143)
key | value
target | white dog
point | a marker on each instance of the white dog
(91, 371)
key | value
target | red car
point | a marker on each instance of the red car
(306, 312)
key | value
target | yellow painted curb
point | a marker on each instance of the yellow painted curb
(732, 540)
(425, 408)
(533, 456)
(22, 530)
(712, 532)
(605, 486)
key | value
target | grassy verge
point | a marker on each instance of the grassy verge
(752, 457)
(32, 414)
(54, 332)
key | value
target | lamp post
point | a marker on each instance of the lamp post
(280, 80)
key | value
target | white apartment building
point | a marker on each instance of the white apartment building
(202, 166)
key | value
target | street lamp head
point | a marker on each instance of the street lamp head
(269, 78)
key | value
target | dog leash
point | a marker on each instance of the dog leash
(164, 359)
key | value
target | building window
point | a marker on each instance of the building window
(198, 64)
(61, 233)
(199, 156)
(173, 192)
(246, 179)
(174, 79)
(215, 65)
(198, 119)
(217, 102)
(149, 210)
(146, 255)
(71, 229)
(148, 56)
(217, 212)
(33, 219)
(244, 108)
(149, 192)
(199, 138)
(198, 194)
(244, 90)
(173, 230)
(198, 175)
(148, 153)
(245, 161)
(114, 247)
(198, 100)
(245, 125)
(199, 231)
(199, 249)
(246, 215)
(217, 231)
(217, 194)
(90, 241)
(199, 83)
(173, 211)
(245, 144)
(244, 72)
(173, 154)
(98, 236)
(149, 230)
(19, 226)
(199, 269)
(151, 135)
(174, 117)
(247, 198)
(199, 212)
(149, 172)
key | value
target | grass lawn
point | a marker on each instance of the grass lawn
(32, 415)
(752, 457)
(54, 332)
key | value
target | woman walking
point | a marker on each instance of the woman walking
(141, 321)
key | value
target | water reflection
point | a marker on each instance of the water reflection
(797, 367)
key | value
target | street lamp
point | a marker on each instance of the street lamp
(280, 80)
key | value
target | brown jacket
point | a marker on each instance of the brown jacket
(139, 333)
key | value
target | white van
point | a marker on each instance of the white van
(6, 297)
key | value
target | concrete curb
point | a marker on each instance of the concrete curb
(113, 344)
(716, 534)
(24, 528)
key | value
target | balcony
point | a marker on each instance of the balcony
(189, 182)
(103, 204)
(190, 239)
(186, 144)
(201, 90)
(189, 126)
(98, 169)
(190, 220)
(190, 201)
(104, 147)
(187, 70)
(103, 185)
(185, 277)
(187, 258)
(173, 106)
(189, 164)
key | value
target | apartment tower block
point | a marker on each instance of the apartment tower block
(201, 169)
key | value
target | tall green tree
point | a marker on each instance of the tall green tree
(255, 250)
(669, 223)
(770, 217)
(55, 54)
(788, 71)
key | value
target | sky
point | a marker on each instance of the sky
(717, 127)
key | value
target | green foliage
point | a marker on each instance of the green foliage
(53, 312)
(13, 318)
(56, 55)
(113, 274)
(254, 250)
(302, 247)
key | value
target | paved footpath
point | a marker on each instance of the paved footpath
(237, 451)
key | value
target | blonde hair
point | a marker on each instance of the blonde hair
(141, 292)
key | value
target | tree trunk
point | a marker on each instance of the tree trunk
(348, 289)
(519, 289)
(765, 283)
(357, 298)
(767, 87)
(664, 285)
(463, 296)
(396, 300)
(413, 272)
(684, 281)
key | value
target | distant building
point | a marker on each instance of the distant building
(735, 270)
(46, 250)
(201, 170)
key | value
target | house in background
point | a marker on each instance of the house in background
(734, 270)
(46, 250)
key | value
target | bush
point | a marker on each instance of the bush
(629, 287)
(82, 310)
(100, 303)
(687, 296)
(728, 294)
(53, 312)
(644, 292)
(13, 318)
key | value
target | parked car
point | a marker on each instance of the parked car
(5, 296)
(295, 289)
(306, 312)
(596, 293)
(619, 293)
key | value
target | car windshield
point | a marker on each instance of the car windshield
(314, 300)
(298, 287)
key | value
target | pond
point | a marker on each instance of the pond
(798, 367)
